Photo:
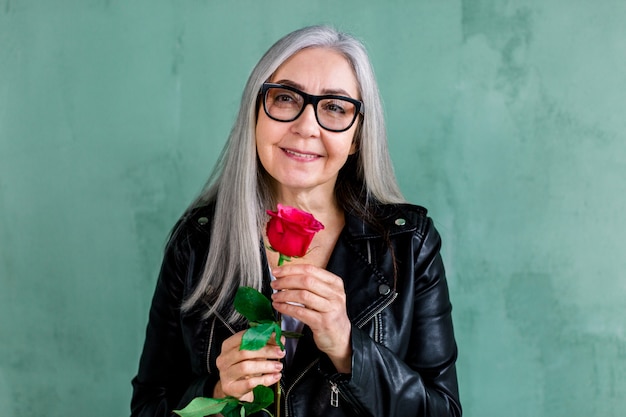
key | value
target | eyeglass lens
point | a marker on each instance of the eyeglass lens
(332, 113)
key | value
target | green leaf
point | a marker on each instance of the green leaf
(257, 337)
(201, 406)
(263, 397)
(233, 410)
(278, 332)
(229, 406)
(253, 305)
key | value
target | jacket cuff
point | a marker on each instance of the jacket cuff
(327, 369)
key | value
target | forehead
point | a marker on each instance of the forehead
(318, 70)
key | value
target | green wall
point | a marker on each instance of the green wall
(506, 119)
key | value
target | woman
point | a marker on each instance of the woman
(370, 296)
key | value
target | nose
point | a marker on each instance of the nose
(306, 124)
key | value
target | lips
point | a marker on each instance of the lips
(300, 155)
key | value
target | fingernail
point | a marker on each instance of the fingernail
(278, 366)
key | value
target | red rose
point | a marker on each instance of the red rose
(290, 230)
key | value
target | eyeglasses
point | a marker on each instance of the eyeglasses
(284, 103)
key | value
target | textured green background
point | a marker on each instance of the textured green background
(506, 119)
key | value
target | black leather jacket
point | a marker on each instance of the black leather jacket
(404, 352)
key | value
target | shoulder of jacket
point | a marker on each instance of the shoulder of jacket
(193, 225)
(403, 218)
(395, 218)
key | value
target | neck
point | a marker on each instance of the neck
(322, 204)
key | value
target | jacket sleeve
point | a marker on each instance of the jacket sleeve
(165, 380)
(424, 383)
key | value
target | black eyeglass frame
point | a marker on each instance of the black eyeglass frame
(310, 99)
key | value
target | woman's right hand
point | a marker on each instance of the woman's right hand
(242, 370)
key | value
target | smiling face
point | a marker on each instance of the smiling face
(300, 155)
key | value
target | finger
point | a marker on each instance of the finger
(287, 274)
(253, 369)
(242, 387)
(322, 299)
(234, 376)
(270, 351)
(312, 283)
(303, 298)
(301, 313)
(290, 270)
(232, 355)
(232, 341)
(272, 340)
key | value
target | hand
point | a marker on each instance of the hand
(242, 370)
(320, 304)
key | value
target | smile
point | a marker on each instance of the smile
(299, 154)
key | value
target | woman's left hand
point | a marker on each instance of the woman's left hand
(321, 305)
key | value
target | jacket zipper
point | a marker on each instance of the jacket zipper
(380, 308)
(294, 384)
(334, 395)
(377, 328)
(208, 351)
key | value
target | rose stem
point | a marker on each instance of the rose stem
(281, 259)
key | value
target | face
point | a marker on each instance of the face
(300, 155)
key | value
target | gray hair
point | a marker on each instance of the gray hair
(239, 185)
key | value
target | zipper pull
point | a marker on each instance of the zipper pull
(334, 395)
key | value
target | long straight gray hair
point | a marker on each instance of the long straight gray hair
(240, 188)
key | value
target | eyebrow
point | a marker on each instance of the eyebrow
(326, 91)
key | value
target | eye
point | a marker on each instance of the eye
(335, 106)
(284, 98)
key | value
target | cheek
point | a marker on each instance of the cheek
(263, 143)
(341, 152)
(260, 135)
(266, 131)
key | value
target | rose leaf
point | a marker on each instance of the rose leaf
(256, 337)
(202, 406)
(253, 305)
(278, 332)
(233, 410)
(263, 397)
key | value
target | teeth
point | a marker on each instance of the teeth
(300, 155)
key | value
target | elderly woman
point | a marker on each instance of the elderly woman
(370, 296)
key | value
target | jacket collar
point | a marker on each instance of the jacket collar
(396, 218)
